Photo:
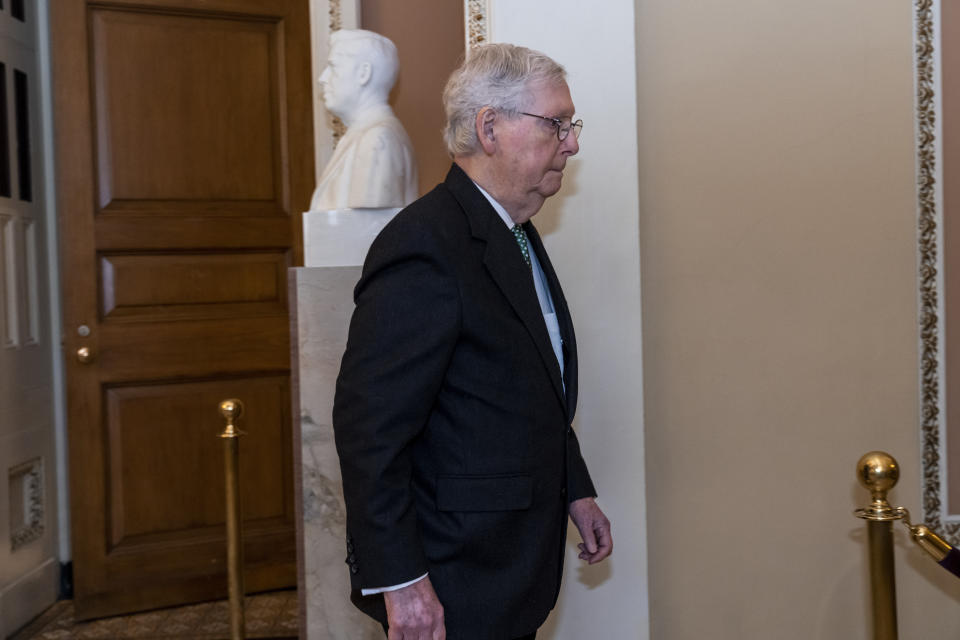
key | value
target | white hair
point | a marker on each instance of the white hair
(494, 75)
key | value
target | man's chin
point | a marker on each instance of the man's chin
(551, 185)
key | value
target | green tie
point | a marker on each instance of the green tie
(521, 237)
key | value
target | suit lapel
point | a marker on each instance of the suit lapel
(506, 267)
(563, 319)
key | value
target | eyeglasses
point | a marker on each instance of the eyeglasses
(563, 125)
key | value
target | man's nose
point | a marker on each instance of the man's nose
(323, 76)
(570, 145)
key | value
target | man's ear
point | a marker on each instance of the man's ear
(485, 134)
(363, 73)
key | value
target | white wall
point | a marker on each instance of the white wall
(778, 234)
(30, 396)
(591, 231)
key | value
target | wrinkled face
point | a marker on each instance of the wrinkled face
(530, 157)
(341, 90)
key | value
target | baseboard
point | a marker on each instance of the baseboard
(28, 597)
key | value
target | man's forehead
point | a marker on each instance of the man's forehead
(553, 97)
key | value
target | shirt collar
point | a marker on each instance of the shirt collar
(507, 220)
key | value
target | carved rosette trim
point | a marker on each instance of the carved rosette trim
(930, 421)
(31, 476)
(336, 23)
(477, 32)
(335, 15)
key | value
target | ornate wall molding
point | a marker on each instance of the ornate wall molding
(931, 320)
(477, 28)
(336, 23)
(26, 521)
(335, 15)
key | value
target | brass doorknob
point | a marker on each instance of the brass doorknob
(84, 355)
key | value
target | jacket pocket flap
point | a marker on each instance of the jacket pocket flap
(484, 493)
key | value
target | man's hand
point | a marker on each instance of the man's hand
(414, 613)
(594, 529)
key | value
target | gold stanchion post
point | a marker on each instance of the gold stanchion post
(878, 472)
(231, 410)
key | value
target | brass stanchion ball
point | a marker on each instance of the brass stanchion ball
(231, 409)
(878, 472)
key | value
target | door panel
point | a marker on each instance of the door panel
(184, 159)
(194, 285)
(201, 81)
(140, 459)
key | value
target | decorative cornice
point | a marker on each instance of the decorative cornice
(929, 267)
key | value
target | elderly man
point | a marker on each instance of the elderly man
(457, 390)
(373, 165)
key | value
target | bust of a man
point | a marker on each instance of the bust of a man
(373, 165)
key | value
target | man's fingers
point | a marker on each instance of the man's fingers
(606, 540)
(594, 529)
(590, 540)
(604, 543)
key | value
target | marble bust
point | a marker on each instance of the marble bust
(373, 165)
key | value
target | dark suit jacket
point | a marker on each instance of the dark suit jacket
(451, 420)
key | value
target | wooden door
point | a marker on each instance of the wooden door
(183, 142)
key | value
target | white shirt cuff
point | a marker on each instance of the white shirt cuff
(370, 592)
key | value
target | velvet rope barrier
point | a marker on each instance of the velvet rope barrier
(952, 562)
(938, 548)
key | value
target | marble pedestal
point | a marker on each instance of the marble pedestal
(321, 296)
(322, 303)
(340, 237)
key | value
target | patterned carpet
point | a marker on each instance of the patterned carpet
(268, 615)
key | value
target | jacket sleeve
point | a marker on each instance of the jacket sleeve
(579, 483)
(402, 335)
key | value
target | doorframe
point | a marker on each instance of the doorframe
(53, 285)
